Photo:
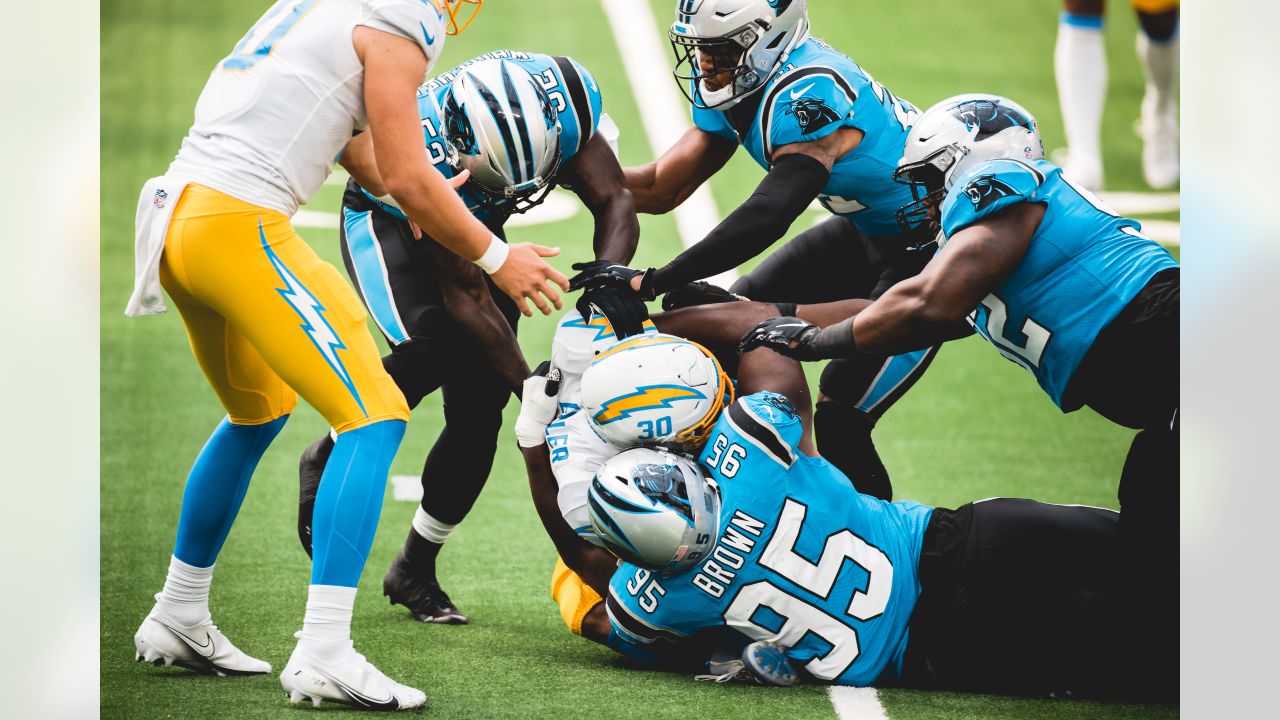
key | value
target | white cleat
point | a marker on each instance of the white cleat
(353, 681)
(1158, 127)
(203, 648)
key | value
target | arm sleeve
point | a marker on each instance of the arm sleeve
(410, 19)
(778, 200)
(988, 188)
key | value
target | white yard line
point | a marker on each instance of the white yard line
(854, 703)
(663, 111)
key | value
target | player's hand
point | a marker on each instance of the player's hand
(625, 310)
(789, 336)
(526, 276)
(697, 293)
(538, 405)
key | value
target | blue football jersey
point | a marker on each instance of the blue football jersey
(570, 87)
(802, 559)
(816, 92)
(1083, 265)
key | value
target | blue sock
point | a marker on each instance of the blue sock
(349, 502)
(216, 487)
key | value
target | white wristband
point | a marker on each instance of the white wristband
(493, 258)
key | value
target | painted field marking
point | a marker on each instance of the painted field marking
(407, 488)
(663, 111)
(559, 205)
(855, 703)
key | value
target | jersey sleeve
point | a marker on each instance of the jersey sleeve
(576, 454)
(805, 107)
(714, 122)
(413, 20)
(635, 632)
(760, 431)
(986, 189)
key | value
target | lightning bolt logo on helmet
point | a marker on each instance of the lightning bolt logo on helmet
(650, 397)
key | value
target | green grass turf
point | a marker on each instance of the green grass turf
(974, 427)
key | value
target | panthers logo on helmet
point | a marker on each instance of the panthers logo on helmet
(985, 190)
(649, 397)
(990, 117)
(812, 114)
(779, 6)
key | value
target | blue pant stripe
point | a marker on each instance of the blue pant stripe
(896, 370)
(371, 271)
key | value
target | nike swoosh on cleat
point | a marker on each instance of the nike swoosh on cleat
(198, 647)
(795, 94)
(391, 703)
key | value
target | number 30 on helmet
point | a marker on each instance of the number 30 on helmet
(655, 509)
(655, 390)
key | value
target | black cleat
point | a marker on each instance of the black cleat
(424, 597)
(310, 468)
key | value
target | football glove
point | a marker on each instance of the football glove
(597, 274)
(697, 293)
(538, 405)
(761, 663)
(789, 336)
(624, 309)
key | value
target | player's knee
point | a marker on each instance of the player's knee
(573, 596)
(260, 407)
(844, 382)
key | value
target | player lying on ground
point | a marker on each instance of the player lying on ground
(822, 128)
(1054, 281)
(1003, 595)
(519, 124)
(268, 320)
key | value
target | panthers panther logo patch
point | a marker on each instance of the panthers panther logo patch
(989, 117)
(812, 114)
(985, 190)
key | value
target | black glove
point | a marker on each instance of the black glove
(789, 336)
(624, 309)
(697, 293)
(606, 273)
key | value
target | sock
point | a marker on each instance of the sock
(349, 502)
(216, 487)
(1080, 67)
(185, 596)
(326, 627)
(844, 440)
(430, 528)
(1160, 67)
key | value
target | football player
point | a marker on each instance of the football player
(1080, 67)
(268, 319)
(516, 125)
(821, 127)
(1053, 279)
(757, 540)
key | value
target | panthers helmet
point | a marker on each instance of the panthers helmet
(655, 509)
(758, 34)
(503, 128)
(955, 135)
(655, 390)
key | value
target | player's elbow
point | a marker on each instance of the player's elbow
(931, 306)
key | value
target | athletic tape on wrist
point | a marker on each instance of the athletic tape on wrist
(493, 258)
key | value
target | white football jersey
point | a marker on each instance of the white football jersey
(276, 112)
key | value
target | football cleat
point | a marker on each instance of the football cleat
(202, 648)
(761, 663)
(1158, 127)
(353, 681)
(424, 597)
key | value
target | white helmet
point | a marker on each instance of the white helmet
(655, 509)
(577, 342)
(759, 33)
(504, 129)
(655, 390)
(955, 135)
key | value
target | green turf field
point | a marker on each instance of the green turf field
(976, 426)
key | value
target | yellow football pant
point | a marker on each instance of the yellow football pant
(267, 317)
(575, 597)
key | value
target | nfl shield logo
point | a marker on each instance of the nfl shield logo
(161, 196)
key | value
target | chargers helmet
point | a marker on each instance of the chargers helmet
(655, 390)
(577, 342)
(759, 34)
(955, 135)
(655, 509)
(501, 126)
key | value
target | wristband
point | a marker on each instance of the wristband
(836, 341)
(493, 258)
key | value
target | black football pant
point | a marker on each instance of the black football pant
(833, 261)
(1024, 597)
(428, 352)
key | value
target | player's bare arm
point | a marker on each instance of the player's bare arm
(593, 564)
(662, 185)
(600, 183)
(393, 70)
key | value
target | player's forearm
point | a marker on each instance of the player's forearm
(908, 317)
(594, 565)
(428, 200)
(617, 230)
(359, 161)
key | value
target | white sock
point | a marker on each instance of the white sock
(1080, 67)
(326, 627)
(185, 596)
(430, 528)
(1160, 66)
